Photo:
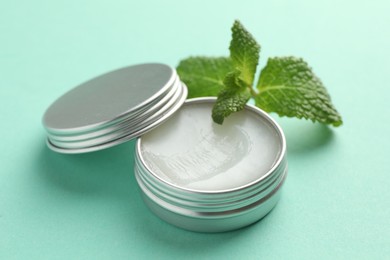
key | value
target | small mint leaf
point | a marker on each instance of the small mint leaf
(288, 87)
(231, 99)
(233, 80)
(228, 102)
(204, 75)
(244, 52)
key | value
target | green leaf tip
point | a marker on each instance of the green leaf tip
(229, 100)
(244, 52)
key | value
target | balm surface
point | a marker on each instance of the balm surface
(189, 150)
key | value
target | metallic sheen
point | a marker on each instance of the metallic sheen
(213, 211)
(113, 108)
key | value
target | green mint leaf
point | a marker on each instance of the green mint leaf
(288, 87)
(231, 99)
(244, 52)
(203, 75)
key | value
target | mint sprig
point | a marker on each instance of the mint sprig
(286, 86)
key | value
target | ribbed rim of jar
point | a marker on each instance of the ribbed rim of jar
(206, 199)
(211, 203)
(221, 211)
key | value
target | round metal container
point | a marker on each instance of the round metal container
(213, 211)
(113, 108)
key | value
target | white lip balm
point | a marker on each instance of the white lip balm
(206, 177)
(191, 151)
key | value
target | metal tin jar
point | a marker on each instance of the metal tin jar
(213, 211)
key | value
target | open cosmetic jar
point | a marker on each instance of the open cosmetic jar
(192, 173)
(206, 177)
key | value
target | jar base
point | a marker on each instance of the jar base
(214, 224)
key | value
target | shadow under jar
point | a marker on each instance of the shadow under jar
(206, 177)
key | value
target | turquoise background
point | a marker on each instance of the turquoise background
(336, 201)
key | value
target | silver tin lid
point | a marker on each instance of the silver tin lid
(113, 108)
